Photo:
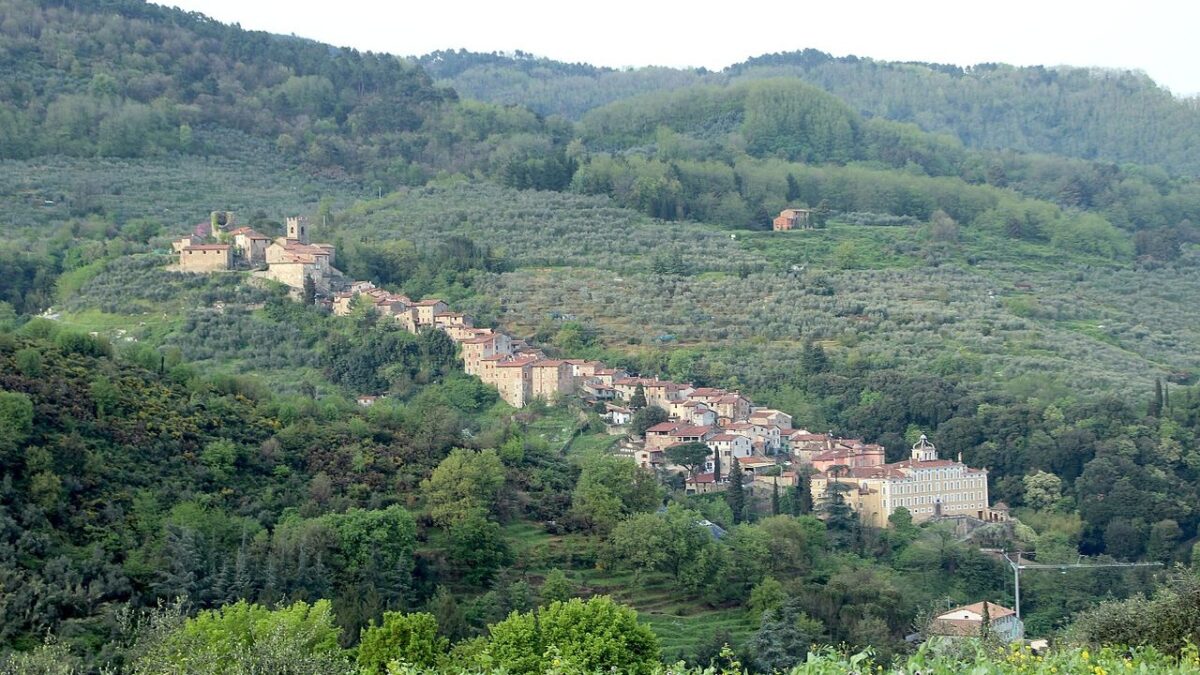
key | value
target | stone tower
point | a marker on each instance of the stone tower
(923, 450)
(297, 229)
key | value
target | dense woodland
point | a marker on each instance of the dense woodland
(186, 482)
(1114, 116)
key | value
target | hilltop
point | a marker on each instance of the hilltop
(1109, 115)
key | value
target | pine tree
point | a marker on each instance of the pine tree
(735, 496)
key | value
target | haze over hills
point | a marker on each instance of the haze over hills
(1005, 260)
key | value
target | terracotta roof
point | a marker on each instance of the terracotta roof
(725, 438)
(691, 431)
(663, 427)
(249, 233)
(518, 362)
(207, 247)
(703, 478)
(751, 462)
(429, 303)
(293, 246)
(933, 464)
(549, 363)
(994, 611)
(482, 339)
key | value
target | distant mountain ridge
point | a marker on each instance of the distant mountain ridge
(1109, 115)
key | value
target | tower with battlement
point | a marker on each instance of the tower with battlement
(297, 229)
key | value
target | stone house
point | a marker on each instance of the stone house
(514, 380)
(617, 415)
(551, 379)
(428, 309)
(852, 454)
(476, 348)
(793, 219)
(770, 417)
(729, 447)
(186, 241)
(967, 621)
(446, 320)
(206, 258)
(660, 436)
(251, 246)
(704, 483)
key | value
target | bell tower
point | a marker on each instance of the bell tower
(923, 450)
(297, 229)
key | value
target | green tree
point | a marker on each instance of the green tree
(220, 456)
(767, 595)
(477, 547)
(16, 421)
(1042, 490)
(410, 639)
(690, 456)
(556, 587)
(611, 488)
(464, 482)
(589, 636)
(1164, 537)
(664, 541)
(308, 294)
(784, 638)
(638, 401)
(104, 396)
(243, 638)
(735, 495)
(645, 418)
(29, 361)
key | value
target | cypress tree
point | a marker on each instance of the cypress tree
(639, 398)
(775, 499)
(735, 496)
(1156, 406)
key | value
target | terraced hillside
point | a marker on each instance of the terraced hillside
(996, 312)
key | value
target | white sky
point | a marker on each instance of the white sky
(1156, 36)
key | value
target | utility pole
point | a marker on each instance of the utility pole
(1018, 565)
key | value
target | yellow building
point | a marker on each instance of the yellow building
(925, 485)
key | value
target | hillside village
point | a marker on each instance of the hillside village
(218, 246)
(761, 444)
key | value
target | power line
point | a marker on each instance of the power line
(1019, 565)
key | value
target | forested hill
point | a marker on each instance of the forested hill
(1118, 116)
(124, 78)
